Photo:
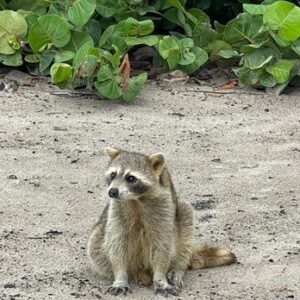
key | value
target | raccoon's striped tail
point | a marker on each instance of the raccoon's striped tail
(208, 257)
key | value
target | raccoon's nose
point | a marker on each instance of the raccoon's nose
(113, 192)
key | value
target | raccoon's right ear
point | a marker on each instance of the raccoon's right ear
(112, 153)
(157, 162)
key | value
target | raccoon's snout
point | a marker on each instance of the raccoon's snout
(113, 192)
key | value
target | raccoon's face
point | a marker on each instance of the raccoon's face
(130, 175)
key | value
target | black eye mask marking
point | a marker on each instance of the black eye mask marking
(131, 179)
(135, 185)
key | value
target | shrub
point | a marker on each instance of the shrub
(86, 42)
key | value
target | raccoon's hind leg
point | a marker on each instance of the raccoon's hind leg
(184, 243)
(96, 253)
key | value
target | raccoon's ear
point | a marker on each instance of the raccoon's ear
(157, 162)
(112, 153)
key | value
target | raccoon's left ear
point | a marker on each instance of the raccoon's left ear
(157, 162)
(112, 153)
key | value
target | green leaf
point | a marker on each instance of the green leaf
(284, 17)
(33, 58)
(30, 5)
(149, 40)
(247, 76)
(107, 34)
(187, 59)
(252, 47)
(14, 43)
(258, 58)
(29, 16)
(106, 73)
(228, 53)
(199, 15)
(93, 28)
(278, 40)
(245, 29)
(220, 28)
(45, 61)
(296, 47)
(109, 89)
(166, 45)
(276, 13)
(80, 55)
(266, 79)
(106, 8)
(177, 4)
(12, 27)
(201, 59)
(185, 43)
(222, 49)
(255, 9)
(133, 27)
(49, 29)
(12, 60)
(88, 66)
(172, 15)
(135, 85)
(203, 34)
(64, 56)
(78, 38)
(60, 73)
(80, 11)
(281, 70)
(169, 50)
(181, 16)
(59, 11)
(173, 58)
(108, 83)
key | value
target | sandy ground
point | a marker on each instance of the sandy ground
(236, 158)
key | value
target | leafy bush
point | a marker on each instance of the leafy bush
(86, 42)
(267, 38)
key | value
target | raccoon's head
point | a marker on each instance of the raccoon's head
(130, 175)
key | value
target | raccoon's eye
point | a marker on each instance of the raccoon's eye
(131, 179)
(113, 175)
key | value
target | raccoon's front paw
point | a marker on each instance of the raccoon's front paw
(176, 278)
(117, 289)
(164, 288)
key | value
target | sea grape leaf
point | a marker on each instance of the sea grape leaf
(149, 40)
(201, 59)
(266, 79)
(244, 29)
(64, 56)
(254, 9)
(134, 86)
(12, 60)
(133, 27)
(45, 61)
(12, 27)
(281, 70)
(258, 58)
(80, 11)
(60, 73)
(49, 29)
(78, 38)
(284, 17)
(169, 50)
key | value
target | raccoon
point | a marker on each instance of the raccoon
(145, 234)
